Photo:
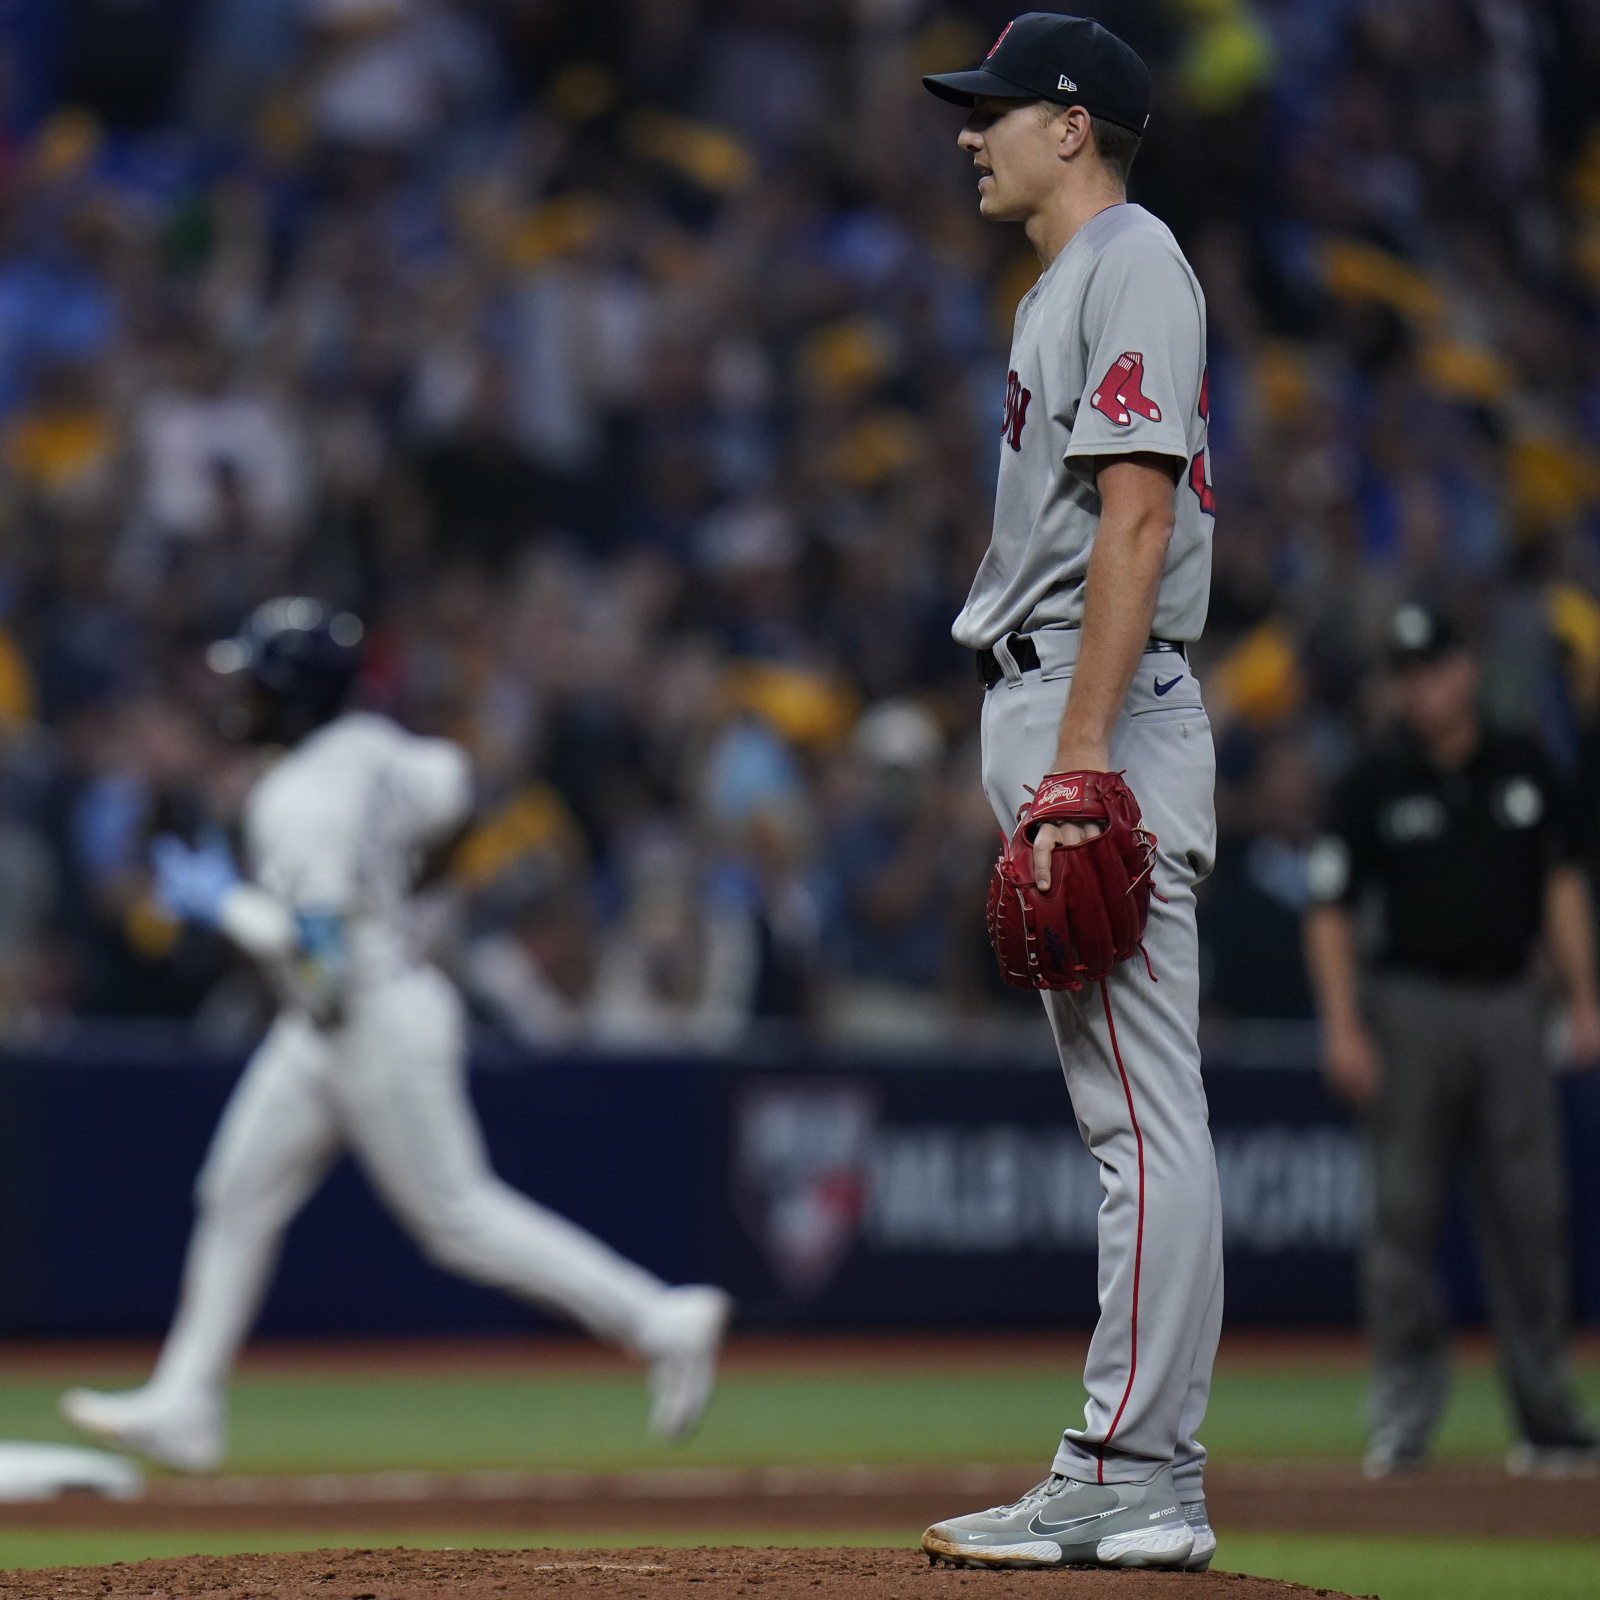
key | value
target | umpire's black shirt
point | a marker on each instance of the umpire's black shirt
(1459, 857)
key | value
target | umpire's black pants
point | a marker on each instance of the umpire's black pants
(1465, 1090)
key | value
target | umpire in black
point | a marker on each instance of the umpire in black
(1449, 862)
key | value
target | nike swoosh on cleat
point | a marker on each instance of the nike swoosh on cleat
(1161, 688)
(1049, 1528)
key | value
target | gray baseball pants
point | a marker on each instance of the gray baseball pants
(1464, 1091)
(1131, 1056)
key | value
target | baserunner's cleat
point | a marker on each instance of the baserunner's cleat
(1205, 1541)
(188, 1435)
(1062, 1523)
(682, 1341)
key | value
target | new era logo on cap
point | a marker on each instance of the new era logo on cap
(1070, 60)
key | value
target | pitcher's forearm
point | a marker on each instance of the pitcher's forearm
(1124, 578)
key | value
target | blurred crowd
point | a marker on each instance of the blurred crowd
(634, 368)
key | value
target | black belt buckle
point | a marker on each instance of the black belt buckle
(1023, 651)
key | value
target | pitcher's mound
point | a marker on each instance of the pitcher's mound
(704, 1574)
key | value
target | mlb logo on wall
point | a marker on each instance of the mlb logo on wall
(801, 1159)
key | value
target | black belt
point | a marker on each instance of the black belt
(1026, 655)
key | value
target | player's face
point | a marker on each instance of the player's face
(1017, 156)
(1433, 697)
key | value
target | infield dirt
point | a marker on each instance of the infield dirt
(635, 1574)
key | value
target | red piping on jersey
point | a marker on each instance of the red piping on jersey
(1138, 1247)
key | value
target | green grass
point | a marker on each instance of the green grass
(1299, 1411)
(447, 1424)
(1421, 1568)
(309, 1424)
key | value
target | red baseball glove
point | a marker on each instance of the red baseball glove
(1093, 914)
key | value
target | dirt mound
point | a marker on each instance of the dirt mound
(705, 1574)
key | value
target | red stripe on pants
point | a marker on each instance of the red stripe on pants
(1138, 1247)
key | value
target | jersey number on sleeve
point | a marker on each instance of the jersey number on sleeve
(1197, 468)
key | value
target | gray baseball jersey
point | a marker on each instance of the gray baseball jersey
(1107, 358)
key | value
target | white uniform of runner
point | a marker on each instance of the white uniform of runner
(1108, 358)
(334, 835)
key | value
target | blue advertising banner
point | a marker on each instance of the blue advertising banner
(965, 1196)
(824, 1192)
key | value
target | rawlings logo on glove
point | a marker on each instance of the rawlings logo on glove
(1094, 912)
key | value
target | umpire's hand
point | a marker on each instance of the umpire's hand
(1583, 1035)
(1350, 1062)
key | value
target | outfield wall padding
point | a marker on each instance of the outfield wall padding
(823, 1191)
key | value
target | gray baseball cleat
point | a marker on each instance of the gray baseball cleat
(1579, 1459)
(1205, 1541)
(1389, 1461)
(1064, 1523)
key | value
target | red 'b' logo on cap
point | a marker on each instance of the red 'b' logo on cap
(1001, 40)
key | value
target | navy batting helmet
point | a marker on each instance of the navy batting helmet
(302, 653)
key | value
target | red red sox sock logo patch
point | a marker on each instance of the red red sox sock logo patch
(1120, 393)
(1016, 411)
(1001, 40)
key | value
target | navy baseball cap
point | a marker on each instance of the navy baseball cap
(1418, 636)
(1071, 60)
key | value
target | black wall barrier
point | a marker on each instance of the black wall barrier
(829, 1192)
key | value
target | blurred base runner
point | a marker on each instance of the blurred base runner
(367, 1055)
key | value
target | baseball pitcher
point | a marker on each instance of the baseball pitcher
(366, 1053)
(1097, 759)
